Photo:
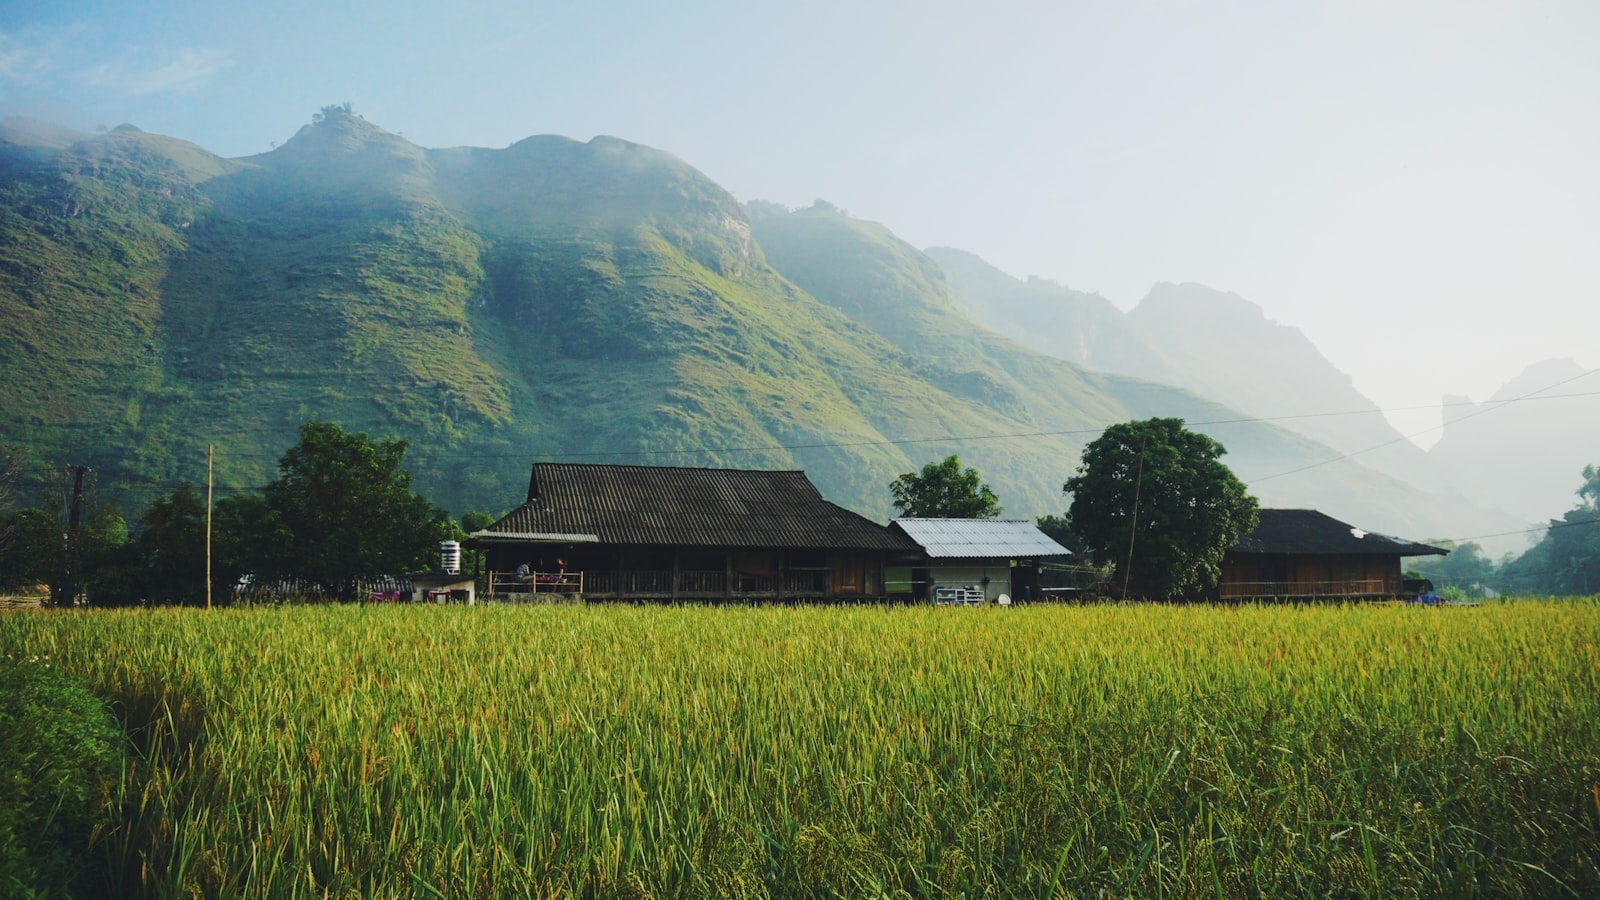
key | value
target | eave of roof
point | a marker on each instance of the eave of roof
(536, 537)
(1307, 532)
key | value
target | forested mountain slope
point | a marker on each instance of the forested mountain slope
(863, 269)
(1214, 343)
(596, 301)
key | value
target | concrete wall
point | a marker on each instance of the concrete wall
(971, 572)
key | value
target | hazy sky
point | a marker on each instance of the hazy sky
(1415, 186)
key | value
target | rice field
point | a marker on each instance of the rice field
(684, 752)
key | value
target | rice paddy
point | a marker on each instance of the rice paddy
(684, 752)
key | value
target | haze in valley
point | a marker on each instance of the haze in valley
(1411, 186)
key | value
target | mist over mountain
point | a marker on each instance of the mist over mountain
(1076, 326)
(863, 269)
(1525, 447)
(555, 299)
(1214, 343)
(1522, 456)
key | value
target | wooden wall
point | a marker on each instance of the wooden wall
(1308, 575)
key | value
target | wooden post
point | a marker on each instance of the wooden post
(1138, 479)
(209, 453)
(69, 594)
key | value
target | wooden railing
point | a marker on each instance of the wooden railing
(805, 582)
(1356, 587)
(536, 583)
(660, 584)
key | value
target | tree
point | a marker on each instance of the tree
(35, 551)
(10, 470)
(41, 545)
(1567, 559)
(1154, 499)
(333, 112)
(171, 548)
(944, 490)
(1059, 529)
(1466, 568)
(342, 510)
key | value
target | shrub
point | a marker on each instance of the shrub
(59, 751)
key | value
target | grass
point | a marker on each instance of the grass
(567, 751)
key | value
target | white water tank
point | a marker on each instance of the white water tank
(450, 557)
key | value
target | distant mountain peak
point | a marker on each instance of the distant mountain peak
(1192, 300)
(338, 131)
(1539, 376)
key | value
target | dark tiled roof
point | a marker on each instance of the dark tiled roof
(659, 506)
(1306, 531)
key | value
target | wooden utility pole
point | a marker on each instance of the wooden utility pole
(1133, 528)
(209, 452)
(69, 595)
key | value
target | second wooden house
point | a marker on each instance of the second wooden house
(1303, 554)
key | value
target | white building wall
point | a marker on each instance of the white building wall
(970, 573)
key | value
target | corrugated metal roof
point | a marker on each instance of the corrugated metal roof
(979, 538)
(1307, 531)
(536, 537)
(683, 507)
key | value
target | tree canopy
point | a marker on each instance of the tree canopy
(1155, 500)
(39, 546)
(1466, 569)
(170, 551)
(1567, 559)
(342, 510)
(944, 490)
(1059, 529)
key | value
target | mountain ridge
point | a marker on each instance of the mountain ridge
(552, 299)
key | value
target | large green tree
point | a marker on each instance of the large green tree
(39, 546)
(1155, 500)
(34, 550)
(1567, 559)
(171, 548)
(1466, 568)
(944, 490)
(342, 510)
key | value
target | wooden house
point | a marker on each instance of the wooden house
(967, 561)
(1303, 554)
(650, 533)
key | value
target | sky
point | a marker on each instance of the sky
(1413, 185)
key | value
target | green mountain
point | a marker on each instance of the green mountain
(597, 301)
(1077, 326)
(554, 299)
(865, 271)
(1214, 343)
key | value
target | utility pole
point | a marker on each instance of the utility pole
(1133, 527)
(209, 452)
(69, 593)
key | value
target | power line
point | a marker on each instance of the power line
(968, 438)
(1540, 394)
(1500, 404)
(767, 448)
(1552, 525)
